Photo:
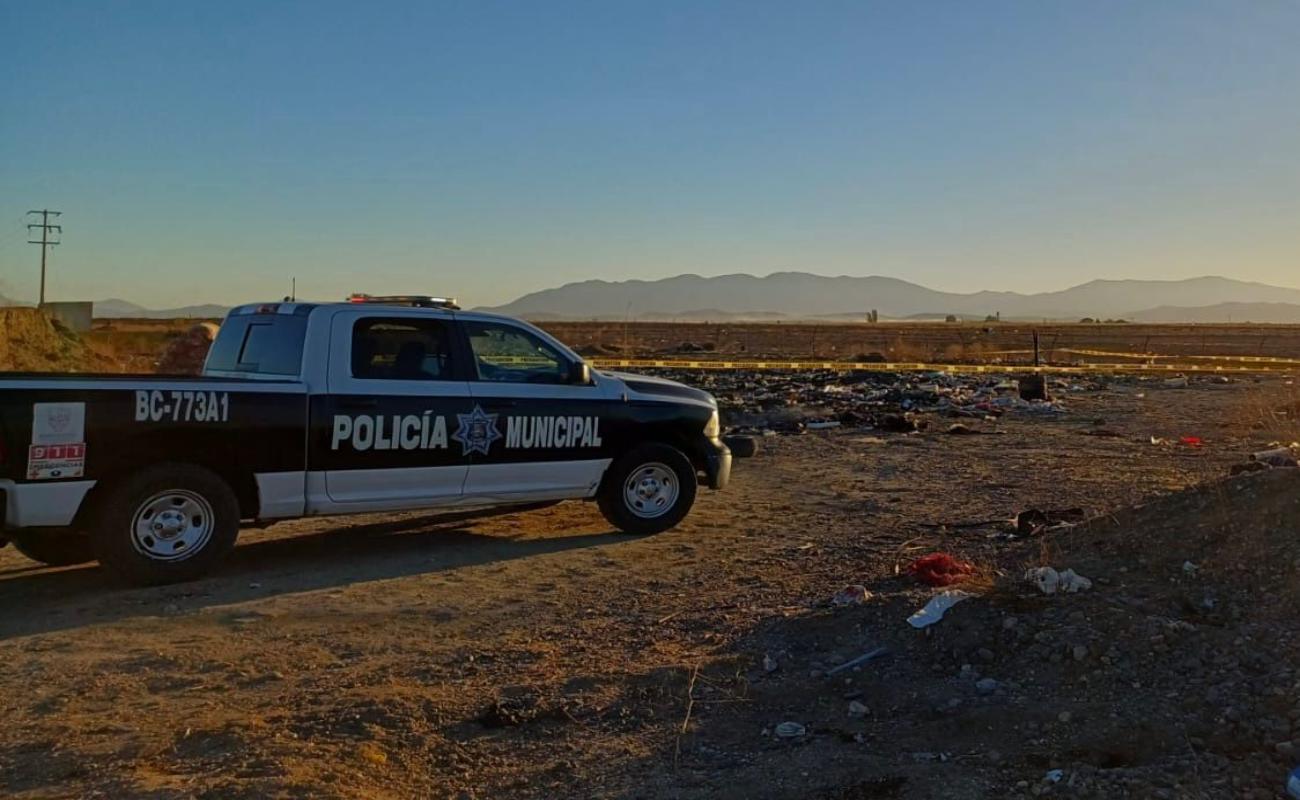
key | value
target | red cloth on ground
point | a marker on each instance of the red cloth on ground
(939, 569)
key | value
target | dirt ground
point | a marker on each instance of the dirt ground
(540, 655)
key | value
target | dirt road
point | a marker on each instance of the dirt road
(541, 655)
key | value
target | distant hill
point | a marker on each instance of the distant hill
(800, 295)
(115, 308)
(1276, 313)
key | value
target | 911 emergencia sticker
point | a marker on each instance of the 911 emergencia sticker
(52, 461)
(58, 447)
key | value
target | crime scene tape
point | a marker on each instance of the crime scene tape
(1242, 359)
(918, 366)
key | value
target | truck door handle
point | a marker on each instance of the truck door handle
(371, 403)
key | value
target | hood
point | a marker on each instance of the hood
(645, 387)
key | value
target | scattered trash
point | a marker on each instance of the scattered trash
(939, 569)
(1190, 568)
(1175, 383)
(1278, 457)
(1159, 440)
(1049, 581)
(851, 594)
(821, 426)
(1033, 521)
(1054, 775)
(937, 607)
(1293, 784)
(853, 662)
(958, 429)
(857, 709)
(1192, 441)
(790, 730)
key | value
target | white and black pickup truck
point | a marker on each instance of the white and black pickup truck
(376, 404)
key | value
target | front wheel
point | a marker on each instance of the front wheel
(54, 549)
(648, 490)
(166, 524)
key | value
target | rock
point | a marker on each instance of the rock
(857, 709)
(986, 686)
(769, 664)
(1080, 652)
(790, 730)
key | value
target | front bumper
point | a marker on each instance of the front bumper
(717, 464)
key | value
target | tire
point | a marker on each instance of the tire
(741, 446)
(166, 524)
(54, 549)
(650, 489)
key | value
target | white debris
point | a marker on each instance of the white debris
(1190, 568)
(1055, 775)
(937, 607)
(1049, 581)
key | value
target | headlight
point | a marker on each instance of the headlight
(713, 428)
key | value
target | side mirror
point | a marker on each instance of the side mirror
(580, 373)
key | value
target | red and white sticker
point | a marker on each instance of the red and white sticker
(53, 461)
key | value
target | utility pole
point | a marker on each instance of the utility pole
(45, 243)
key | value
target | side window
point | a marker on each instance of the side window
(397, 349)
(509, 354)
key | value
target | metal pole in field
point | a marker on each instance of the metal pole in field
(45, 242)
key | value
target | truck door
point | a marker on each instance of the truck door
(545, 438)
(381, 434)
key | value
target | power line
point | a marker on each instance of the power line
(45, 242)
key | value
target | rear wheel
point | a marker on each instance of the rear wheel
(649, 490)
(166, 524)
(54, 549)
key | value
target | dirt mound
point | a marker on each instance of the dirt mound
(185, 354)
(31, 342)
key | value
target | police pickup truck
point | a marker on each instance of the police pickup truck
(375, 404)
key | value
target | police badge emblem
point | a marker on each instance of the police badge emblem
(477, 431)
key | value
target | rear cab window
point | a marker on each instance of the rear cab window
(259, 345)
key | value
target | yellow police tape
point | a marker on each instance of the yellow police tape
(920, 366)
(1241, 359)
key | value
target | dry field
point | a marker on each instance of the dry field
(540, 655)
(921, 341)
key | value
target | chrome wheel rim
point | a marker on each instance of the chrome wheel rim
(651, 490)
(172, 525)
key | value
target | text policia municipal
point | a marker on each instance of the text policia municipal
(476, 431)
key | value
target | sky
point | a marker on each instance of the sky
(211, 151)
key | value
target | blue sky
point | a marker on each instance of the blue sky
(207, 151)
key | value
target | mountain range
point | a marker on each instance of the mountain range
(800, 295)
(803, 296)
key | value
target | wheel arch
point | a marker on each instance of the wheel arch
(240, 481)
